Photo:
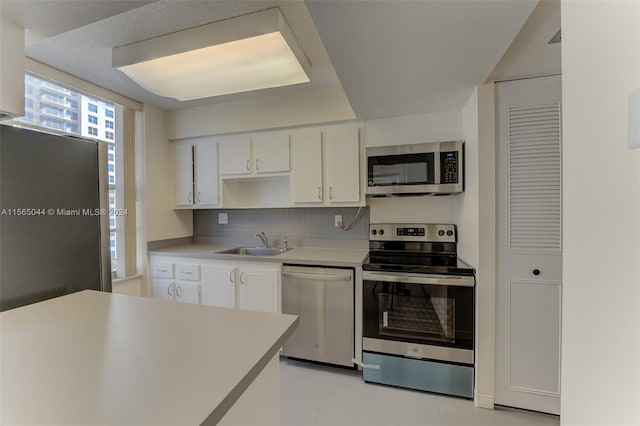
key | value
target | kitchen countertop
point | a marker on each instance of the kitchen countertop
(296, 255)
(101, 358)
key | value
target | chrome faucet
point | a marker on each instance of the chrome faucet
(263, 237)
(285, 242)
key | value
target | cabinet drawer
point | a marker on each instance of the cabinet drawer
(188, 272)
(162, 270)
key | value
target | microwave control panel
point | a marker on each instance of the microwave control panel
(449, 167)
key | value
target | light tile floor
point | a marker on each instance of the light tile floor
(322, 395)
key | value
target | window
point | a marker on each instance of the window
(64, 109)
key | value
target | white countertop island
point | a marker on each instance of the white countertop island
(101, 358)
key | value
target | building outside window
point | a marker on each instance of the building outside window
(52, 106)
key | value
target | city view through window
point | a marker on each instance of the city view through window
(52, 106)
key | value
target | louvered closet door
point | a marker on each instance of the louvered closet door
(529, 243)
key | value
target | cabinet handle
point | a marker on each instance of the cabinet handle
(231, 276)
(331, 192)
(178, 294)
(319, 193)
(241, 281)
(189, 197)
(169, 291)
(164, 271)
(199, 196)
(257, 164)
(248, 169)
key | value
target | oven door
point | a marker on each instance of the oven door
(419, 315)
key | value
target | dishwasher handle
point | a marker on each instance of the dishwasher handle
(322, 277)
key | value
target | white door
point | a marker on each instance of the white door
(218, 285)
(162, 289)
(183, 160)
(187, 292)
(235, 155)
(529, 248)
(206, 166)
(258, 289)
(271, 152)
(306, 173)
(343, 164)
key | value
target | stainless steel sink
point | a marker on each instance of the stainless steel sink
(254, 251)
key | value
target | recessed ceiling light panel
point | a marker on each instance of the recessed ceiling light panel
(249, 52)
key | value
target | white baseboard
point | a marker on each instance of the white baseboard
(483, 401)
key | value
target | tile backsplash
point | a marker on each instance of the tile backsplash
(298, 224)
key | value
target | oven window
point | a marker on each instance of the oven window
(405, 169)
(421, 313)
(416, 312)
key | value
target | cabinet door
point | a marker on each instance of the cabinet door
(259, 289)
(218, 285)
(306, 173)
(271, 152)
(206, 172)
(162, 289)
(343, 164)
(183, 157)
(187, 292)
(235, 155)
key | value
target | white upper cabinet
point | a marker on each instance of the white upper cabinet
(183, 158)
(271, 152)
(196, 172)
(206, 173)
(342, 159)
(261, 153)
(306, 173)
(235, 155)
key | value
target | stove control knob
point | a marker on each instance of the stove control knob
(374, 232)
(381, 232)
(449, 233)
(441, 233)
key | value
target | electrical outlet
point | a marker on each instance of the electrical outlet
(338, 220)
(223, 219)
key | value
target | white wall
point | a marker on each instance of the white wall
(433, 127)
(266, 112)
(601, 184)
(475, 217)
(162, 221)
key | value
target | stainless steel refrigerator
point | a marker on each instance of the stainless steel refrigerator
(54, 222)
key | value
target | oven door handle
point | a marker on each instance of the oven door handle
(452, 280)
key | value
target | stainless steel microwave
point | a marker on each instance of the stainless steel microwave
(435, 168)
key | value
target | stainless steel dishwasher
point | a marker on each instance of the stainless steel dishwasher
(323, 298)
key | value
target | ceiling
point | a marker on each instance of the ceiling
(390, 57)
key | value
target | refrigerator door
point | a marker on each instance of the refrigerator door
(50, 221)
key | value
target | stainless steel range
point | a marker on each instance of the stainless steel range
(418, 310)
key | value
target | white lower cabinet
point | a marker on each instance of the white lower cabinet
(162, 289)
(218, 284)
(259, 288)
(175, 279)
(253, 286)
